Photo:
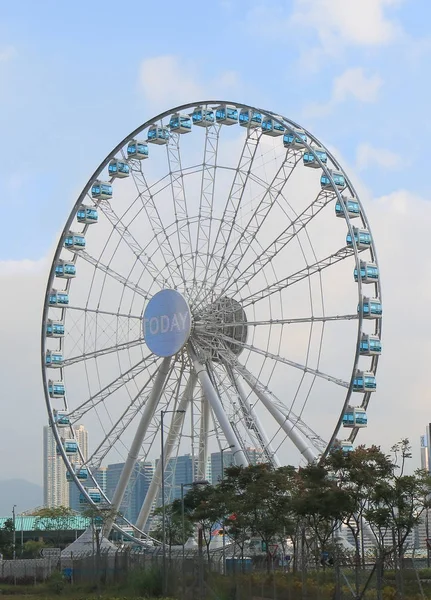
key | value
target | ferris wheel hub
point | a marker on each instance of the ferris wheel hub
(167, 323)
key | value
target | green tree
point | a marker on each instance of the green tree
(56, 521)
(173, 525)
(204, 506)
(358, 472)
(31, 549)
(260, 498)
(6, 538)
(321, 503)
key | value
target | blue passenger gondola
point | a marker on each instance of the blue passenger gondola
(354, 417)
(273, 127)
(370, 345)
(58, 298)
(70, 447)
(74, 241)
(80, 472)
(352, 207)
(54, 329)
(87, 215)
(295, 139)
(157, 134)
(203, 117)
(364, 381)
(336, 176)
(311, 159)
(56, 389)
(362, 238)
(180, 123)
(346, 446)
(250, 118)
(101, 190)
(65, 269)
(118, 169)
(371, 308)
(53, 359)
(226, 114)
(137, 149)
(61, 418)
(94, 496)
(369, 272)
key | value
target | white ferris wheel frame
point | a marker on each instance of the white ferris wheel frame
(299, 432)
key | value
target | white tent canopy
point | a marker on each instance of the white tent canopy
(86, 544)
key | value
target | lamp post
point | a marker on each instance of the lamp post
(14, 533)
(162, 459)
(224, 529)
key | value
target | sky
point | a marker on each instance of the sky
(75, 78)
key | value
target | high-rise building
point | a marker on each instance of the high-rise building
(100, 475)
(55, 484)
(136, 490)
(254, 457)
(425, 450)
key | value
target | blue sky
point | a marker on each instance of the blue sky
(75, 78)
(71, 87)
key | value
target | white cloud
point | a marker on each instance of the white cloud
(367, 155)
(170, 80)
(339, 23)
(354, 84)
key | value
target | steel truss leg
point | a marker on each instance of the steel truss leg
(259, 431)
(174, 431)
(136, 445)
(203, 440)
(219, 412)
(285, 423)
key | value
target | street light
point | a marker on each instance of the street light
(162, 459)
(224, 528)
(183, 485)
(14, 533)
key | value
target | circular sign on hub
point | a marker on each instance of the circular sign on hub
(167, 323)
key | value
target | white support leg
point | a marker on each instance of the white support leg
(260, 432)
(285, 423)
(203, 440)
(174, 431)
(218, 410)
(136, 445)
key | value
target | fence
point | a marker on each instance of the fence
(195, 576)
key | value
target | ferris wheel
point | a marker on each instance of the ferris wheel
(217, 278)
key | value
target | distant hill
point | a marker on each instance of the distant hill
(24, 494)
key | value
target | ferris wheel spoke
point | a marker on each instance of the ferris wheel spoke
(150, 207)
(283, 360)
(206, 202)
(233, 202)
(102, 352)
(184, 236)
(98, 311)
(108, 271)
(203, 326)
(172, 437)
(132, 243)
(270, 198)
(267, 256)
(108, 390)
(308, 271)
